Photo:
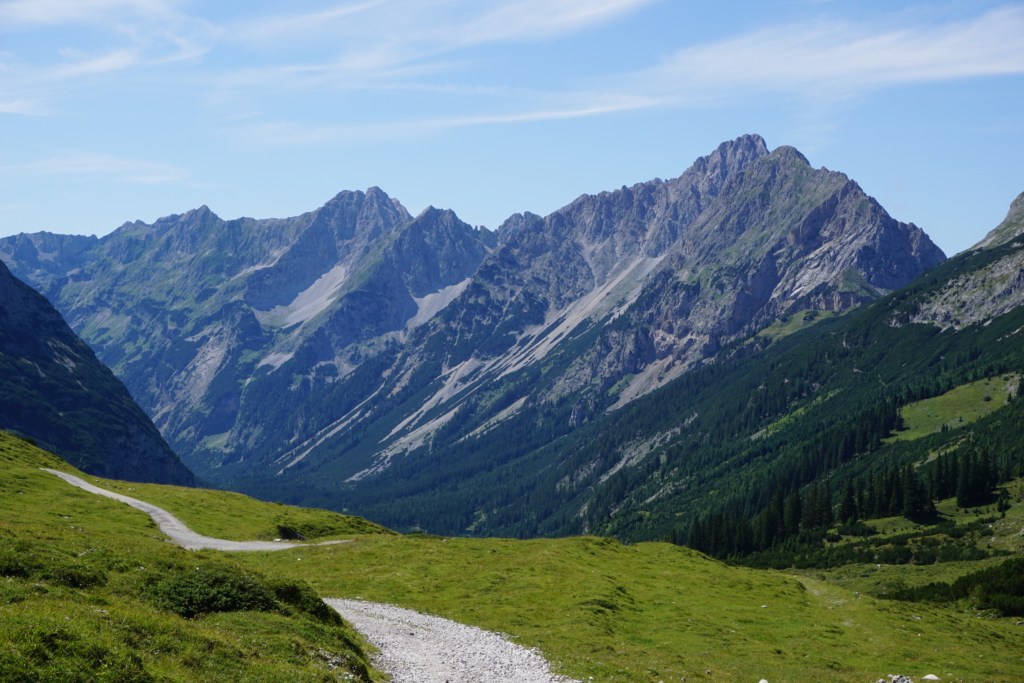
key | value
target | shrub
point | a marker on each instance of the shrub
(213, 587)
(1000, 587)
(897, 554)
(74, 576)
(18, 564)
(301, 596)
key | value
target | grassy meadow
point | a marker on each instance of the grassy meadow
(87, 596)
(236, 517)
(596, 608)
(961, 405)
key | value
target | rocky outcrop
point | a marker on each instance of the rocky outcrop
(54, 390)
(1011, 227)
(741, 238)
(979, 295)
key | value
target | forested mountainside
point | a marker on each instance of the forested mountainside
(814, 406)
(356, 355)
(55, 392)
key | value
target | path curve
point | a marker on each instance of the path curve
(414, 647)
(175, 528)
(418, 648)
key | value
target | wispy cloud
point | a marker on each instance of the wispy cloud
(84, 164)
(831, 60)
(535, 19)
(24, 107)
(435, 24)
(293, 132)
(386, 39)
(52, 12)
(111, 36)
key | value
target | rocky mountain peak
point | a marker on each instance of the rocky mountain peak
(1011, 227)
(729, 158)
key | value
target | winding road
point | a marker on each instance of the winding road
(414, 647)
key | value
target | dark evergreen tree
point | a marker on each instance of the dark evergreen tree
(848, 504)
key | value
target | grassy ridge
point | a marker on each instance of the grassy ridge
(86, 594)
(237, 517)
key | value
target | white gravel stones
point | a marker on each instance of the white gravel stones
(174, 527)
(417, 648)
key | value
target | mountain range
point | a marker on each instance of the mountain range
(430, 373)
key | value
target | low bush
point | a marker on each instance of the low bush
(301, 596)
(213, 587)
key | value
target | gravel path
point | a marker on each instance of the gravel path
(416, 648)
(175, 528)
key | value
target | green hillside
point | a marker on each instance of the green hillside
(236, 517)
(956, 407)
(92, 593)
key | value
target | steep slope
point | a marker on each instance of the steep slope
(53, 390)
(192, 308)
(1011, 227)
(984, 293)
(813, 407)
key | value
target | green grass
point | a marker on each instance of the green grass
(658, 612)
(958, 406)
(78, 604)
(794, 322)
(236, 517)
(646, 612)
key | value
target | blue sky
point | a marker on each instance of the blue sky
(116, 110)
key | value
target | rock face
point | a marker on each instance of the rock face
(317, 352)
(1011, 227)
(193, 308)
(53, 390)
(993, 288)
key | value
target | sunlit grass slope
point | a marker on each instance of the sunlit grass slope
(658, 612)
(89, 591)
(961, 405)
(794, 322)
(236, 517)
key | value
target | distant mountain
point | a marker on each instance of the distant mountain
(193, 308)
(355, 356)
(810, 399)
(53, 389)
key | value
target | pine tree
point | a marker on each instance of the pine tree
(791, 514)
(964, 481)
(848, 505)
